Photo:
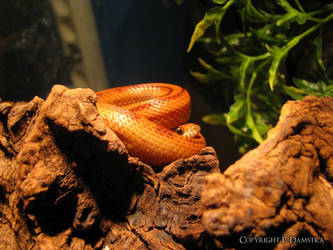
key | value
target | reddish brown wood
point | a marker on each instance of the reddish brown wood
(283, 188)
(67, 182)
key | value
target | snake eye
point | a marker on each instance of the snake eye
(179, 131)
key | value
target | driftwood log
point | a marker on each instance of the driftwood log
(67, 182)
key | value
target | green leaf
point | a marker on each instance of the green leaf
(258, 51)
(219, 1)
(261, 124)
(277, 55)
(280, 53)
(214, 73)
(215, 119)
(306, 85)
(249, 119)
(254, 15)
(292, 14)
(234, 39)
(201, 77)
(322, 86)
(265, 34)
(310, 88)
(300, 7)
(329, 90)
(243, 68)
(263, 37)
(211, 17)
(318, 42)
(251, 124)
(237, 109)
(229, 60)
(271, 101)
(285, 5)
(295, 93)
(235, 130)
(286, 18)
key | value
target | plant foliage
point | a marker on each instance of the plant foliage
(274, 55)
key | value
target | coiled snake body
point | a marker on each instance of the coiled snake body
(143, 117)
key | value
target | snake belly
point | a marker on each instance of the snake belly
(143, 115)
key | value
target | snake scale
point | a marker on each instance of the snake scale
(147, 118)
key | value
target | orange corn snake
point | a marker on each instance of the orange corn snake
(146, 118)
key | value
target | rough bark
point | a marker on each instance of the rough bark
(281, 189)
(67, 182)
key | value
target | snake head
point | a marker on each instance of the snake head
(188, 130)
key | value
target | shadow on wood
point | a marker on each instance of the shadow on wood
(67, 182)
